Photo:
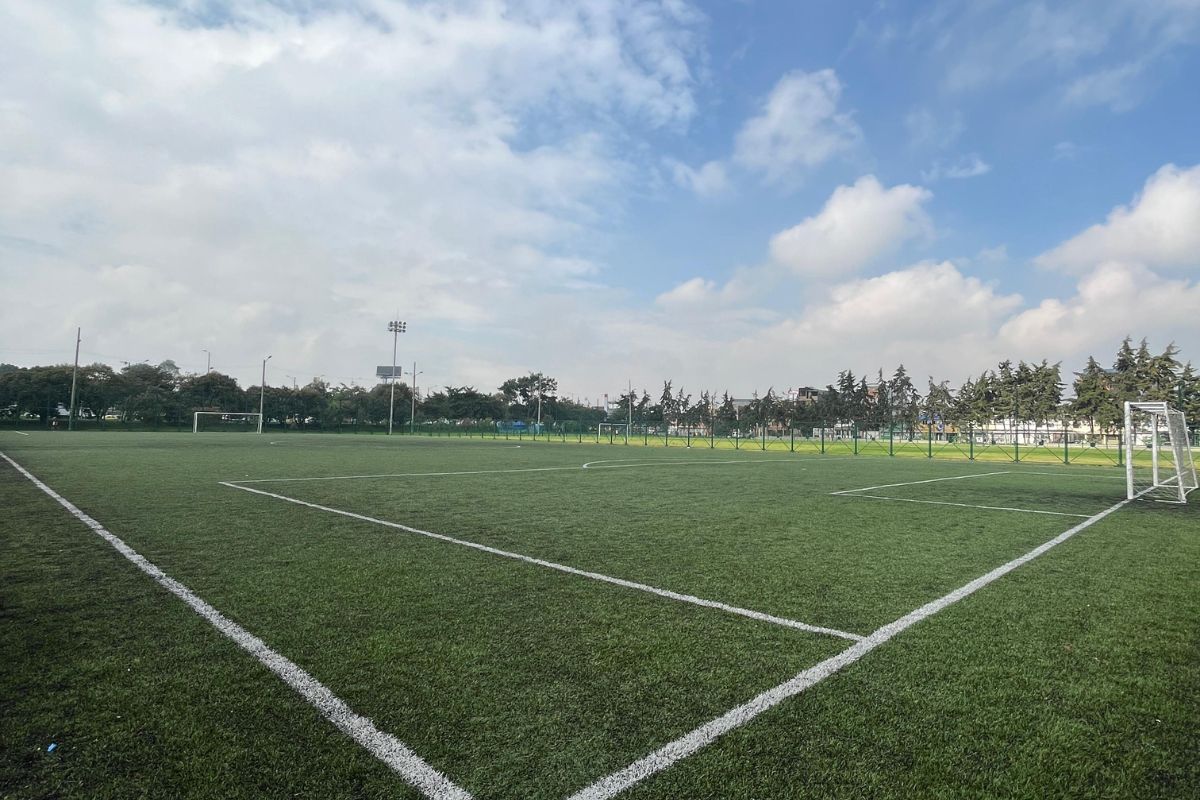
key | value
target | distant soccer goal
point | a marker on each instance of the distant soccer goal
(232, 421)
(1159, 463)
(613, 430)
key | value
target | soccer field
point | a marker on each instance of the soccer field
(340, 616)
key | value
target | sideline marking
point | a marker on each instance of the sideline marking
(706, 734)
(387, 748)
(968, 505)
(914, 483)
(20, 433)
(685, 598)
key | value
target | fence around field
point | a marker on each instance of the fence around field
(1028, 444)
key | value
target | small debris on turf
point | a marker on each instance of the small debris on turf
(52, 747)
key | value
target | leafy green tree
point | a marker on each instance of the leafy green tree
(939, 402)
(1095, 399)
(904, 400)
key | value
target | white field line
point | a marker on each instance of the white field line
(915, 483)
(707, 733)
(572, 467)
(968, 505)
(596, 576)
(387, 748)
(1089, 475)
(20, 433)
(619, 463)
(405, 475)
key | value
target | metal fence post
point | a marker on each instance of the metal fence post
(970, 442)
(822, 438)
(854, 434)
(1066, 452)
(929, 427)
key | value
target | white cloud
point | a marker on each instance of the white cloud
(1112, 301)
(969, 166)
(799, 126)
(857, 225)
(1160, 229)
(710, 180)
(926, 129)
(694, 292)
(282, 182)
(1120, 88)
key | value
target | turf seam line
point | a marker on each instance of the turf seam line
(686, 745)
(596, 576)
(387, 748)
(915, 483)
(967, 505)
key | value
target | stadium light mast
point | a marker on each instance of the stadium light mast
(397, 327)
(208, 365)
(262, 393)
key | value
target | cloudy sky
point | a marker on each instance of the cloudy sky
(734, 195)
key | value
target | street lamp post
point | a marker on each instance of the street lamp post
(397, 327)
(262, 393)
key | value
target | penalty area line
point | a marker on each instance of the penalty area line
(596, 576)
(709, 732)
(967, 505)
(915, 483)
(387, 748)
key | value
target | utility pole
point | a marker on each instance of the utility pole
(629, 420)
(262, 393)
(413, 413)
(397, 327)
(74, 378)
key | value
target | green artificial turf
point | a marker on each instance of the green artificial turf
(1075, 675)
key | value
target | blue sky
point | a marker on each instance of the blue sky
(735, 195)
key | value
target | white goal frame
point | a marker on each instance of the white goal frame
(616, 428)
(196, 417)
(1177, 477)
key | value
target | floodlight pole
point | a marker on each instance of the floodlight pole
(397, 327)
(208, 365)
(262, 393)
(74, 376)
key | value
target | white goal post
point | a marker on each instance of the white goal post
(1158, 457)
(228, 416)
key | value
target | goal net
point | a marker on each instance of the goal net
(1159, 463)
(232, 421)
